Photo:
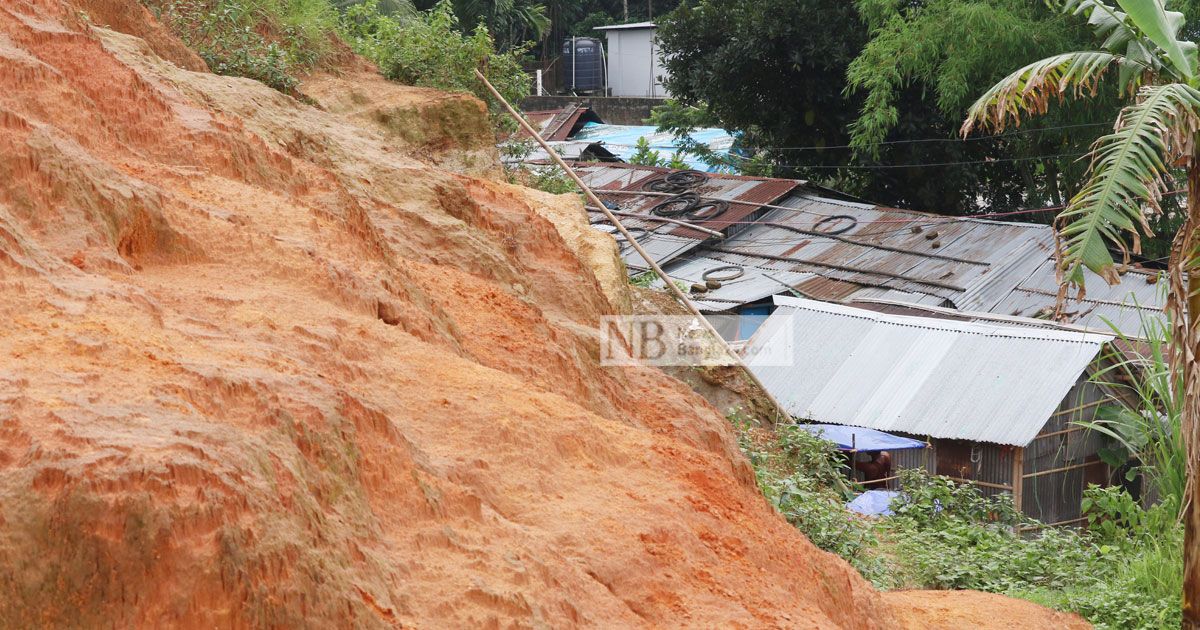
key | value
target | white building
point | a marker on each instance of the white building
(634, 66)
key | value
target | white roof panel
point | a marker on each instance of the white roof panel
(615, 27)
(970, 380)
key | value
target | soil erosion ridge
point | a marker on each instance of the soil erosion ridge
(272, 364)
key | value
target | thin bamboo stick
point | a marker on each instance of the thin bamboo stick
(985, 484)
(1062, 432)
(1055, 470)
(1018, 486)
(869, 272)
(650, 217)
(1094, 403)
(675, 291)
(1030, 528)
(844, 239)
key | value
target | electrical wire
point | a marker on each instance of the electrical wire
(1001, 136)
(926, 222)
(932, 164)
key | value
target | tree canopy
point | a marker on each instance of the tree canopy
(867, 96)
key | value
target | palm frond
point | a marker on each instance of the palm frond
(1162, 27)
(1127, 176)
(1030, 89)
(1106, 21)
(1121, 36)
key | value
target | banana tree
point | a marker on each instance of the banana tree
(1130, 169)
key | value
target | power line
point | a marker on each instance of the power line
(1001, 136)
(927, 221)
(931, 164)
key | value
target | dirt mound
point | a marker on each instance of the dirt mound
(918, 610)
(448, 130)
(264, 367)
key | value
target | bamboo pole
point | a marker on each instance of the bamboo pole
(645, 217)
(1055, 470)
(809, 232)
(880, 480)
(1030, 528)
(1062, 432)
(1094, 403)
(844, 239)
(783, 415)
(869, 272)
(1018, 479)
(985, 484)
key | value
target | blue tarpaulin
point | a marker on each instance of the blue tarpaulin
(874, 502)
(622, 140)
(850, 438)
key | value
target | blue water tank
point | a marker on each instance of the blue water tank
(583, 65)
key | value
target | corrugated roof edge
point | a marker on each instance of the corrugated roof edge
(999, 318)
(973, 327)
(631, 25)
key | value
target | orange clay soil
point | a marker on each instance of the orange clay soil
(264, 365)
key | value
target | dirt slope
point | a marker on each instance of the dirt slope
(262, 366)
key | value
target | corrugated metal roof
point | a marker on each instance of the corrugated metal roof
(569, 150)
(560, 124)
(623, 185)
(864, 251)
(834, 250)
(755, 283)
(922, 376)
(971, 263)
(1127, 305)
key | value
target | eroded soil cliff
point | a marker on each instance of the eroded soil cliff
(267, 364)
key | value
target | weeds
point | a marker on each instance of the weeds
(265, 40)
(428, 49)
(803, 477)
(1149, 435)
(1125, 572)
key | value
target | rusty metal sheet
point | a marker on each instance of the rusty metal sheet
(828, 289)
(669, 241)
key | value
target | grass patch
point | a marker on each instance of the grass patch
(429, 49)
(1125, 572)
(266, 40)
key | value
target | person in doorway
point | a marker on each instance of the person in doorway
(879, 467)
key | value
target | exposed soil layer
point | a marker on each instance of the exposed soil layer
(918, 610)
(264, 367)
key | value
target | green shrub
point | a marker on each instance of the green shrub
(803, 477)
(928, 500)
(1150, 432)
(1126, 572)
(551, 179)
(428, 49)
(265, 40)
(644, 156)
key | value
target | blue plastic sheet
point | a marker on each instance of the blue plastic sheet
(622, 141)
(874, 502)
(850, 438)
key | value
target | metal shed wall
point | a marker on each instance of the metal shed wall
(1052, 498)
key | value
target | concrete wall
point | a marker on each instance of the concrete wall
(612, 110)
(634, 66)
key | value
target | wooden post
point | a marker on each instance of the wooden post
(1018, 478)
